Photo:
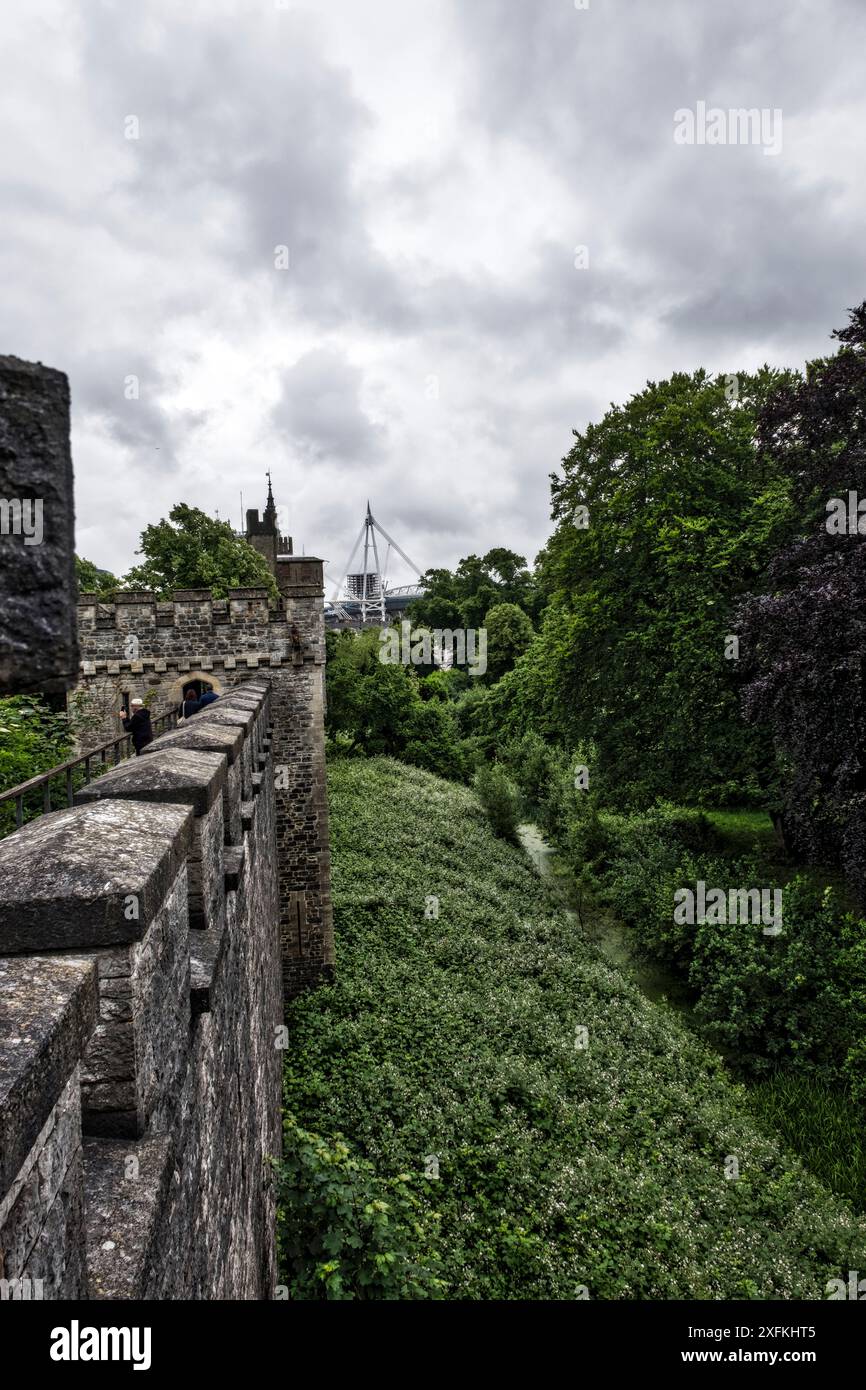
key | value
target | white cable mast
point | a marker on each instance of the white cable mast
(369, 587)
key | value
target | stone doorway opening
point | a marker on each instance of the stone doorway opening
(200, 681)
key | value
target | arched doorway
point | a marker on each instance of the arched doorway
(200, 682)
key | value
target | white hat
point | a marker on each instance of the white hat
(138, 702)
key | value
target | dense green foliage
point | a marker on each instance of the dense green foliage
(93, 580)
(462, 598)
(378, 707)
(344, 1233)
(500, 799)
(566, 1161)
(666, 513)
(192, 550)
(796, 1000)
(509, 635)
(33, 738)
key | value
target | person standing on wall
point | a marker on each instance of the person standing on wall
(190, 703)
(137, 723)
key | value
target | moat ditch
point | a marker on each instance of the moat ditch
(602, 928)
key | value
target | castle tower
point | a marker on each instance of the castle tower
(264, 534)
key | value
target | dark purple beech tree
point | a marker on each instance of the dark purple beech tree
(803, 641)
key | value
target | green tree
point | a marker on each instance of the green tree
(461, 597)
(350, 656)
(667, 512)
(509, 634)
(383, 707)
(93, 580)
(431, 739)
(500, 799)
(195, 551)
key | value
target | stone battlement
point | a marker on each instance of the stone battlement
(138, 647)
(247, 627)
(140, 1023)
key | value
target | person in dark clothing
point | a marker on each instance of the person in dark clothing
(190, 703)
(137, 723)
(207, 698)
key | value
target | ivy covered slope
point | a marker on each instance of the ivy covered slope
(559, 1166)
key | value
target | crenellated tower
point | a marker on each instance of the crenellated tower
(264, 534)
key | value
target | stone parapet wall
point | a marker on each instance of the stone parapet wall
(138, 647)
(140, 1024)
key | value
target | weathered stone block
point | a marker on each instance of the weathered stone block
(38, 620)
(169, 776)
(132, 1066)
(48, 1009)
(94, 875)
(127, 1184)
(201, 736)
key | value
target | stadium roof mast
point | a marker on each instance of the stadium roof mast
(368, 533)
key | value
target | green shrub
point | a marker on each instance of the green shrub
(642, 860)
(430, 734)
(472, 755)
(559, 1167)
(796, 1000)
(500, 799)
(345, 1233)
(532, 764)
(545, 775)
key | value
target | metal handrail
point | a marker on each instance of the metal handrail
(120, 749)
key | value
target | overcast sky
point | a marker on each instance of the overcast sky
(431, 167)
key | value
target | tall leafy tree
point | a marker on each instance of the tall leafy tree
(377, 707)
(192, 550)
(804, 637)
(666, 511)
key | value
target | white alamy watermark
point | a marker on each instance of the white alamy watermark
(22, 516)
(728, 906)
(854, 1289)
(437, 647)
(737, 126)
(77, 1343)
(19, 1290)
(846, 517)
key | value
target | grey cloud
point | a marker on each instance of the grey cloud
(319, 410)
(731, 245)
(158, 253)
(256, 123)
(127, 393)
